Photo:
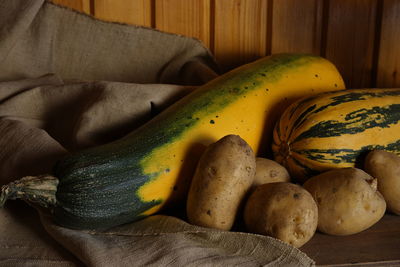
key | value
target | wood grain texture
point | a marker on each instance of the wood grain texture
(240, 31)
(296, 26)
(360, 36)
(389, 53)
(186, 17)
(138, 12)
(79, 5)
(376, 246)
(350, 39)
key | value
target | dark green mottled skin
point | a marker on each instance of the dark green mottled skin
(98, 186)
(390, 115)
(344, 155)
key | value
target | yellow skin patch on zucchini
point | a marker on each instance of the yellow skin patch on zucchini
(252, 117)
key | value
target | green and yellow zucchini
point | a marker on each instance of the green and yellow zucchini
(336, 130)
(137, 175)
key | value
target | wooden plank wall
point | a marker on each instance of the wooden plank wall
(360, 36)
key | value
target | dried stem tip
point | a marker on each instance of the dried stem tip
(37, 189)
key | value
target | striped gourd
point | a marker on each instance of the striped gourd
(336, 130)
(139, 174)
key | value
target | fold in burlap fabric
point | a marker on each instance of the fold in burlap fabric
(68, 81)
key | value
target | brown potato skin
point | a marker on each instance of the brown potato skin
(269, 171)
(348, 201)
(223, 176)
(385, 166)
(282, 210)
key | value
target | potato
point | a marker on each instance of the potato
(282, 210)
(385, 166)
(348, 201)
(269, 171)
(223, 176)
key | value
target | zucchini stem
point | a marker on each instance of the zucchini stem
(37, 189)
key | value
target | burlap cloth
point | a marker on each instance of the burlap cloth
(68, 81)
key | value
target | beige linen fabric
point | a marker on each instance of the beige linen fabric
(67, 82)
(39, 38)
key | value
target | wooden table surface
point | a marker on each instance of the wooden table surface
(376, 246)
